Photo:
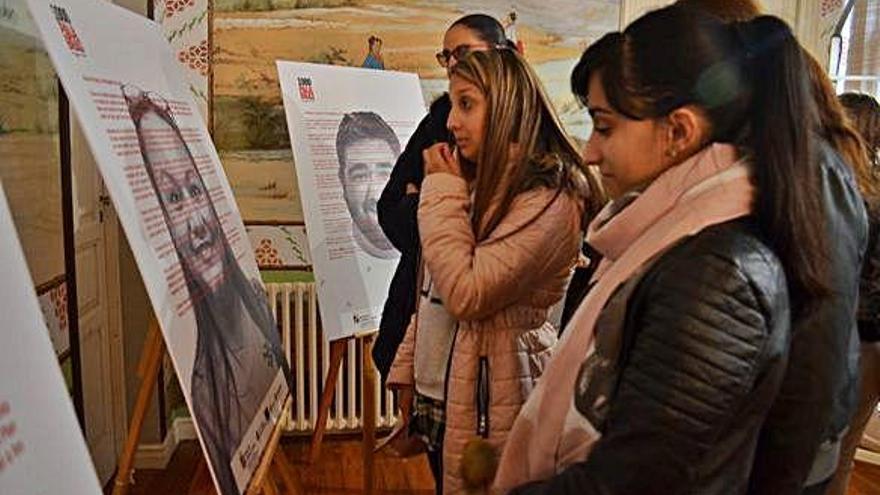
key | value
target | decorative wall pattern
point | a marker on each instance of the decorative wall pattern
(831, 7)
(280, 246)
(185, 24)
(53, 302)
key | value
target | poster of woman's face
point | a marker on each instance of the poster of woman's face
(192, 220)
(237, 354)
(175, 205)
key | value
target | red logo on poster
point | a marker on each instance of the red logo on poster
(70, 37)
(306, 93)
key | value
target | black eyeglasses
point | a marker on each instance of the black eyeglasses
(459, 52)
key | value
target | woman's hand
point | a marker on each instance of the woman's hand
(440, 158)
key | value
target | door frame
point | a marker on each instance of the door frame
(112, 289)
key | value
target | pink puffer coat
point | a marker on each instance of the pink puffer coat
(500, 291)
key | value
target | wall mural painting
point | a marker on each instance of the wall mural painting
(29, 146)
(403, 35)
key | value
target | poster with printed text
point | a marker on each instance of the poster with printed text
(176, 207)
(347, 127)
(42, 450)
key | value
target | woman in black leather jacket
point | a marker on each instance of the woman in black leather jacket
(690, 351)
(864, 113)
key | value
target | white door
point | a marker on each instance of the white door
(97, 279)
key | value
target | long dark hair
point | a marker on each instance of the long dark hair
(835, 128)
(486, 27)
(751, 81)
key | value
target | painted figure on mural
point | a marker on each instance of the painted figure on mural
(374, 58)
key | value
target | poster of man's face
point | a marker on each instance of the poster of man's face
(367, 149)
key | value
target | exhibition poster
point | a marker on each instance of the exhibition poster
(347, 127)
(176, 207)
(42, 450)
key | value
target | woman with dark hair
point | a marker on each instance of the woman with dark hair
(864, 113)
(238, 355)
(397, 216)
(800, 441)
(716, 238)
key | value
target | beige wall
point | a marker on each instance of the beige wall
(802, 15)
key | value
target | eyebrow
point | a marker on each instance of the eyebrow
(594, 111)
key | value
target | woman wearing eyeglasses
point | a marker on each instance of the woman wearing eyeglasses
(397, 217)
(499, 223)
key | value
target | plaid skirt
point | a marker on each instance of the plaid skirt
(428, 421)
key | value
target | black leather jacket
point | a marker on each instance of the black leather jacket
(799, 442)
(869, 291)
(703, 352)
(398, 219)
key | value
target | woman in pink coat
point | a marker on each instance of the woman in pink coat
(500, 219)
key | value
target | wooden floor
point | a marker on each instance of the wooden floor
(339, 471)
(865, 480)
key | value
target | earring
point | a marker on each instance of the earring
(671, 153)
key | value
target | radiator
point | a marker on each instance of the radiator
(295, 306)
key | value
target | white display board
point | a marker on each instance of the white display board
(42, 451)
(347, 127)
(176, 207)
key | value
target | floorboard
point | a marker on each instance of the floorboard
(339, 472)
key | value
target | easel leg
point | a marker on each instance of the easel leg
(269, 487)
(262, 480)
(148, 370)
(369, 416)
(337, 350)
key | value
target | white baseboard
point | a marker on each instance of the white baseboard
(868, 456)
(184, 429)
(157, 455)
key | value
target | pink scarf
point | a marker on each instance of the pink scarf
(707, 189)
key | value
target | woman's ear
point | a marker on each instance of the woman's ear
(687, 131)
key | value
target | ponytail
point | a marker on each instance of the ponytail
(782, 123)
(751, 81)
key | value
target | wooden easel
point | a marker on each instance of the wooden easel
(148, 372)
(338, 349)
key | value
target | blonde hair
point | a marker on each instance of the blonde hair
(519, 113)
